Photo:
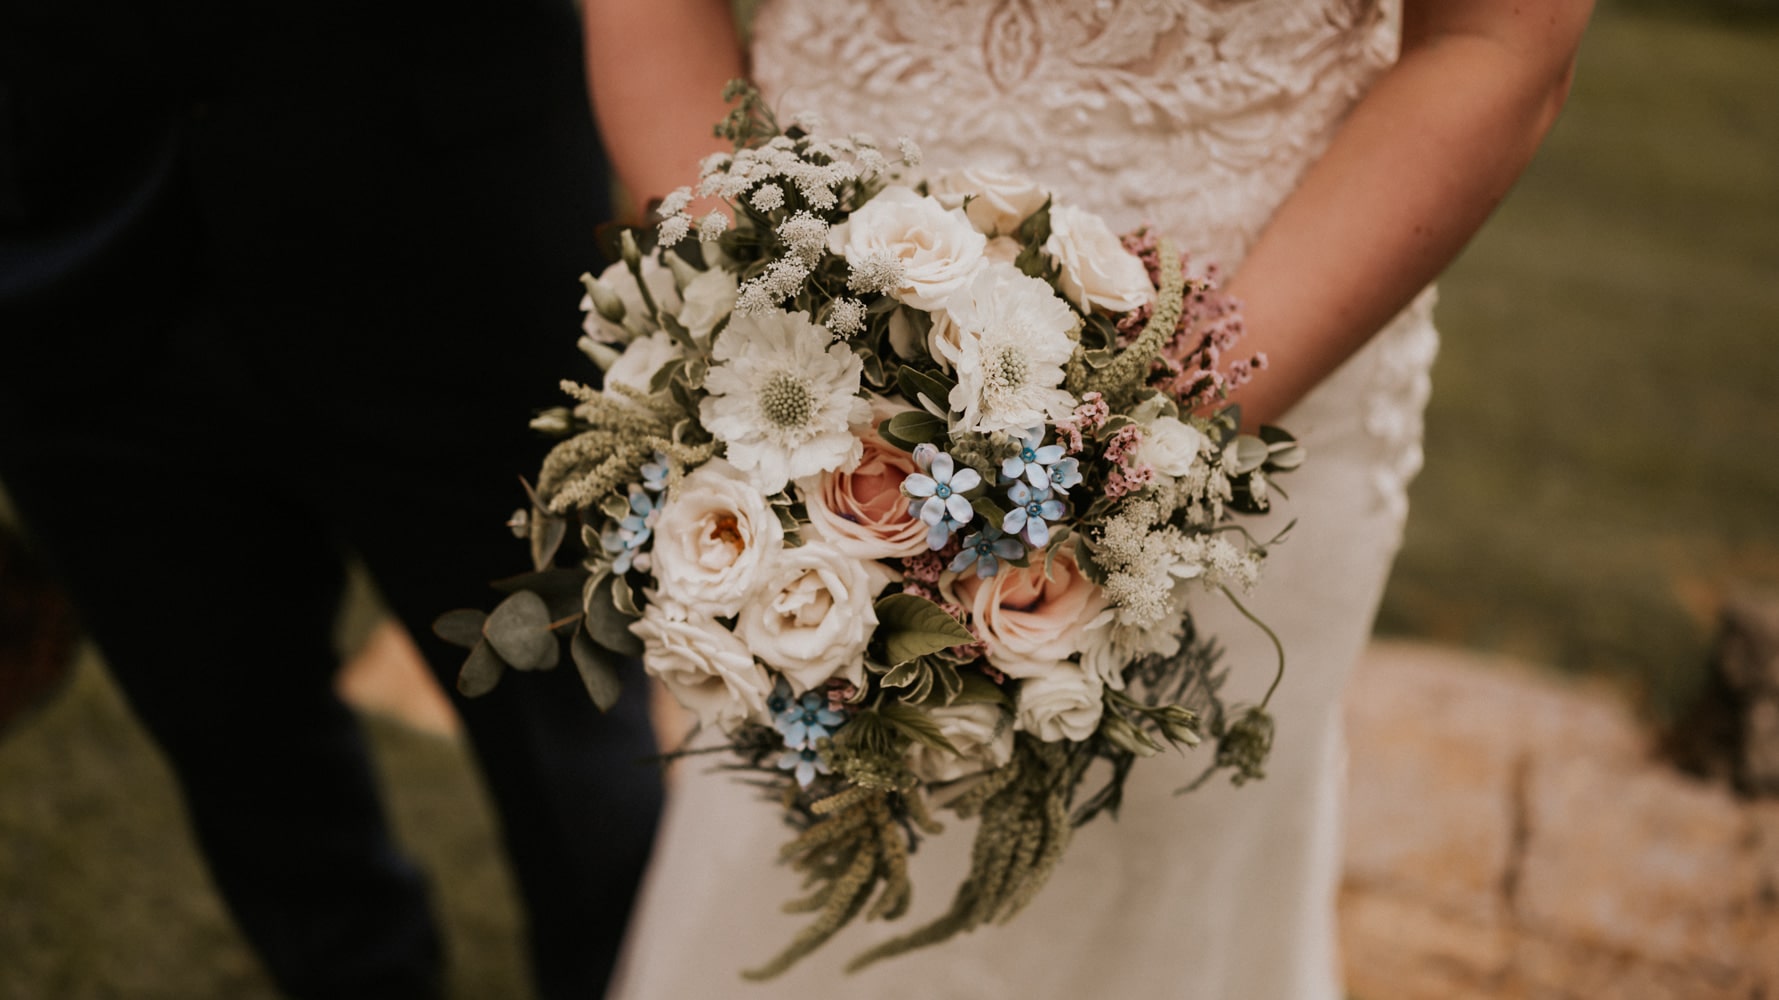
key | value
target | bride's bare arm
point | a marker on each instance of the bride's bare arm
(656, 69)
(1423, 159)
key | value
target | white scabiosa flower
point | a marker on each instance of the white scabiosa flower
(782, 398)
(1013, 340)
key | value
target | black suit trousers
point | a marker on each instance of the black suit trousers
(275, 287)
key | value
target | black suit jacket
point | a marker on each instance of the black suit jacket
(388, 200)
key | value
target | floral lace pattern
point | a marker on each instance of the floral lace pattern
(1196, 116)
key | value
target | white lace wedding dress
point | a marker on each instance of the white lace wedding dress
(1197, 116)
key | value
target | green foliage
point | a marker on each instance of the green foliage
(519, 630)
(910, 627)
(905, 430)
(481, 671)
(606, 624)
(462, 627)
(596, 671)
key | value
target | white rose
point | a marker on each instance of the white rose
(702, 664)
(980, 731)
(1060, 704)
(715, 538)
(812, 615)
(709, 298)
(1001, 201)
(1096, 269)
(637, 318)
(642, 359)
(1002, 250)
(1170, 445)
(940, 251)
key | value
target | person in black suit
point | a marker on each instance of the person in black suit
(279, 282)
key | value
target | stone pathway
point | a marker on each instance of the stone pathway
(1510, 836)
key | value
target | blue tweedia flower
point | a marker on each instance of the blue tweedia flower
(805, 763)
(1065, 474)
(1034, 460)
(938, 499)
(806, 720)
(780, 700)
(1031, 516)
(654, 474)
(633, 531)
(985, 549)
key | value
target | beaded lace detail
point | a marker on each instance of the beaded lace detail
(1196, 116)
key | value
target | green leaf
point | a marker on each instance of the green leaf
(916, 725)
(480, 672)
(979, 689)
(912, 627)
(1250, 454)
(547, 533)
(597, 674)
(989, 511)
(519, 630)
(605, 623)
(560, 587)
(613, 506)
(905, 430)
(462, 627)
(914, 383)
(665, 375)
(914, 676)
(623, 598)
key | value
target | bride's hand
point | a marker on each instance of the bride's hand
(1423, 159)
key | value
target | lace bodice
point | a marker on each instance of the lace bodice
(1196, 116)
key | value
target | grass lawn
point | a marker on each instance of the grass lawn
(1604, 429)
(1602, 467)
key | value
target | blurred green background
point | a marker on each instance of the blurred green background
(1603, 467)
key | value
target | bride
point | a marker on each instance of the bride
(1335, 155)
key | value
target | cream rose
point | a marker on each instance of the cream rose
(715, 538)
(642, 359)
(861, 511)
(710, 297)
(999, 202)
(637, 319)
(939, 250)
(982, 734)
(812, 615)
(1029, 621)
(1063, 704)
(703, 664)
(1170, 445)
(1097, 272)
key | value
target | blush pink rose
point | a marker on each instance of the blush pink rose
(861, 511)
(1031, 623)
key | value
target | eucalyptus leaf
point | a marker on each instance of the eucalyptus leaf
(462, 627)
(481, 671)
(912, 627)
(600, 677)
(559, 586)
(608, 626)
(1250, 454)
(519, 630)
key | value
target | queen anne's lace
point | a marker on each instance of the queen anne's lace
(1197, 116)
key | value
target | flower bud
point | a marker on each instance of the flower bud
(603, 355)
(605, 299)
(628, 250)
(683, 271)
(1122, 734)
(551, 421)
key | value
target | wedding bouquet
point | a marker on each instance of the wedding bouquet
(902, 485)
